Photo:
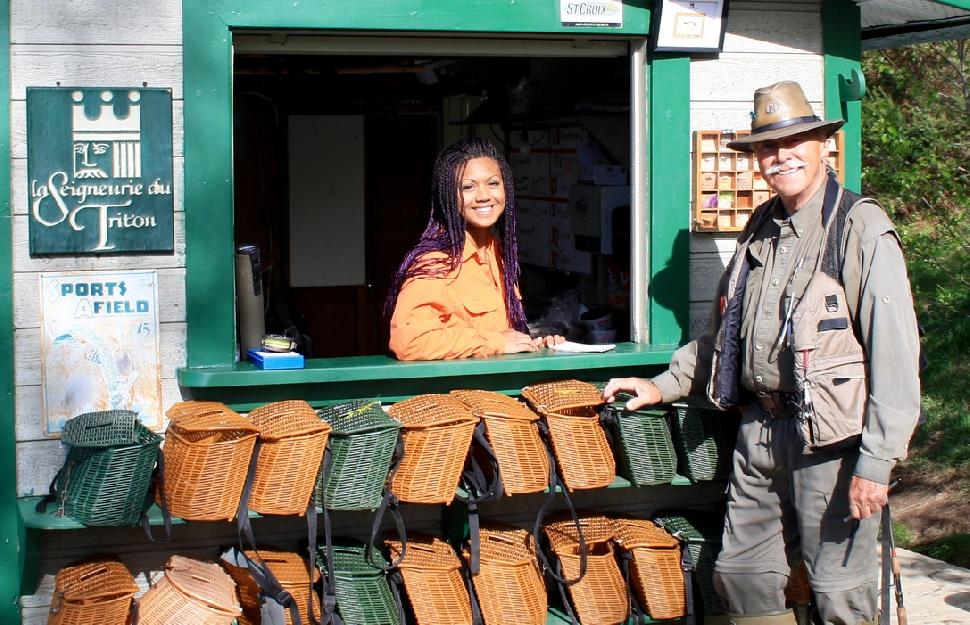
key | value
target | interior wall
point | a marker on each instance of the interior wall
(765, 42)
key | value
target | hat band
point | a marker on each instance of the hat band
(786, 123)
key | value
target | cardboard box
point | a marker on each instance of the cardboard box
(744, 180)
(603, 175)
(591, 211)
(708, 181)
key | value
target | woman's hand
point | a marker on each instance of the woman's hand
(647, 393)
(516, 342)
(548, 341)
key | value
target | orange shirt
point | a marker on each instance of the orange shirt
(456, 316)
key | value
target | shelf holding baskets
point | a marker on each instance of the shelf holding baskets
(578, 441)
(190, 592)
(292, 440)
(656, 575)
(509, 585)
(108, 471)
(94, 592)
(432, 578)
(362, 444)
(513, 432)
(207, 452)
(599, 597)
(363, 595)
(437, 434)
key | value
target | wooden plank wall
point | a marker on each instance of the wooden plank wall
(765, 42)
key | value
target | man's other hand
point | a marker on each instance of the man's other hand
(647, 393)
(866, 498)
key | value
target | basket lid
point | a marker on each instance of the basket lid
(350, 559)
(491, 404)
(563, 395)
(292, 417)
(696, 529)
(106, 428)
(93, 581)
(633, 533)
(424, 552)
(423, 411)
(356, 417)
(203, 581)
(210, 417)
(562, 534)
(505, 544)
(288, 568)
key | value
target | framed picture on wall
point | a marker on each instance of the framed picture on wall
(689, 26)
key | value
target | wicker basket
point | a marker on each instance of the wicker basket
(293, 440)
(109, 468)
(207, 452)
(509, 585)
(656, 575)
(190, 593)
(702, 538)
(291, 571)
(94, 592)
(600, 597)
(247, 592)
(704, 441)
(363, 596)
(578, 440)
(513, 433)
(644, 448)
(361, 448)
(433, 581)
(799, 590)
(437, 433)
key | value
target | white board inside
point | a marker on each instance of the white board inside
(326, 155)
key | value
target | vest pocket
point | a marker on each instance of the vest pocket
(838, 392)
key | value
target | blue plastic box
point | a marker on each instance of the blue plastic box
(275, 360)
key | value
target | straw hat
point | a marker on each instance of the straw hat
(782, 110)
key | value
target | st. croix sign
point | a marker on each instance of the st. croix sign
(99, 170)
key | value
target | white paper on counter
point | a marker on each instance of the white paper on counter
(582, 348)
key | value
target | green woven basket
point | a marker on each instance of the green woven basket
(361, 447)
(108, 485)
(701, 536)
(704, 440)
(642, 444)
(363, 595)
(107, 428)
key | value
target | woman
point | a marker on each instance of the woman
(456, 293)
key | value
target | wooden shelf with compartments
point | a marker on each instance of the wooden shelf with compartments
(728, 185)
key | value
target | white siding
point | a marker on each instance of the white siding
(765, 42)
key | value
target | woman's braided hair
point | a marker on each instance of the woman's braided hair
(445, 231)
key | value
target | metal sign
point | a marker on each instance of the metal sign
(99, 170)
(591, 13)
(99, 345)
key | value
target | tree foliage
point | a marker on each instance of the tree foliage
(916, 161)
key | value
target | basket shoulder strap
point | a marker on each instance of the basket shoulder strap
(389, 503)
(480, 487)
(166, 514)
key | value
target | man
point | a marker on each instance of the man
(813, 336)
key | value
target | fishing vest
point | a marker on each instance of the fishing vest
(831, 390)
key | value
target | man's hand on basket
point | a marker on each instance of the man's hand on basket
(647, 393)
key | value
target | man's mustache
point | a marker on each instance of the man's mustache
(792, 163)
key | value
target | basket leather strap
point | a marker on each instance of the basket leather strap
(389, 503)
(269, 586)
(330, 616)
(633, 607)
(562, 593)
(477, 618)
(395, 581)
(51, 495)
(687, 565)
(554, 482)
(609, 417)
(480, 488)
(166, 514)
